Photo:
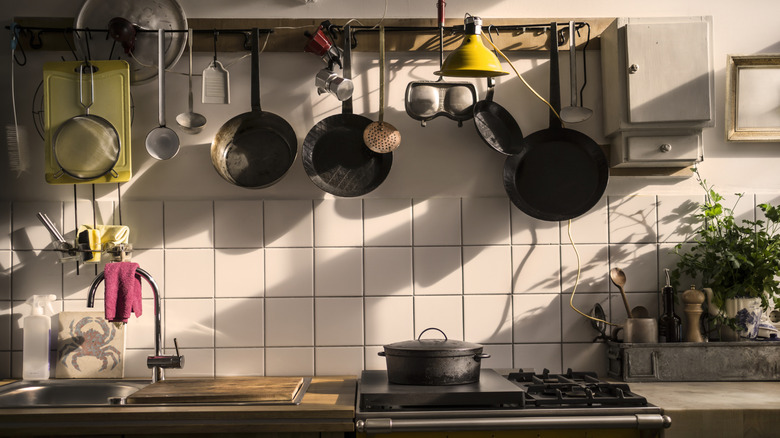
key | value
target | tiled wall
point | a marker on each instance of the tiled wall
(303, 287)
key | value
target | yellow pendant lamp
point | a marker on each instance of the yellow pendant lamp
(472, 59)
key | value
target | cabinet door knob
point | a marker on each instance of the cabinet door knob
(633, 68)
(666, 147)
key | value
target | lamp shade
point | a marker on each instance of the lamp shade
(472, 59)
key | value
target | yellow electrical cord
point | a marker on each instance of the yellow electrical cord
(523, 79)
(577, 280)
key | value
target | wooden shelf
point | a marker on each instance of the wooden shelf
(288, 34)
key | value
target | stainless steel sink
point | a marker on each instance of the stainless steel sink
(60, 392)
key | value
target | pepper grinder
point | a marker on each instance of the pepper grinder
(693, 300)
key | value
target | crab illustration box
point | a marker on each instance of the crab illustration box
(89, 347)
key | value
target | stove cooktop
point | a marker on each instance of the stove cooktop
(519, 390)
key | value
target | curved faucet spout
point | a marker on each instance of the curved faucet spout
(157, 373)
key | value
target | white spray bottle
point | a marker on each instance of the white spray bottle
(37, 332)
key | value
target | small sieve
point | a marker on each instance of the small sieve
(380, 136)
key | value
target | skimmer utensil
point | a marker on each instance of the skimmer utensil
(216, 81)
(191, 121)
(380, 136)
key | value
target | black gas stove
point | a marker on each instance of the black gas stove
(521, 399)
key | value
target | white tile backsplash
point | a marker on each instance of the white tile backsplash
(338, 321)
(487, 319)
(28, 232)
(298, 287)
(240, 361)
(289, 361)
(677, 217)
(329, 361)
(387, 222)
(289, 272)
(438, 270)
(536, 269)
(527, 230)
(388, 271)
(190, 321)
(289, 322)
(442, 312)
(437, 221)
(338, 222)
(189, 224)
(288, 224)
(189, 273)
(632, 219)
(239, 322)
(389, 319)
(487, 269)
(239, 272)
(338, 272)
(486, 221)
(238, 224)
(537, 318)
(5, 226)
(145, 220)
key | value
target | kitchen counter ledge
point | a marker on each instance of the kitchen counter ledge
(328, 407)
(716, 409)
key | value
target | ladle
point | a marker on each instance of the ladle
(161, 142)
(574, 113)
(618, 278)
(191, 121)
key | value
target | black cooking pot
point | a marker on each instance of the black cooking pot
(433, 361)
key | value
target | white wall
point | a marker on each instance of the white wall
(636, 221)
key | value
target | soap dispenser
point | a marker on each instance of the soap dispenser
(37, 335)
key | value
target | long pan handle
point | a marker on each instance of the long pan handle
(346, 106)
(573, 63)
(161, 76)
(255, 78)
(555, 85)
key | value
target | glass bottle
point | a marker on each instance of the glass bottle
(669, 324)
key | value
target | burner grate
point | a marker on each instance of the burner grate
(573, 389)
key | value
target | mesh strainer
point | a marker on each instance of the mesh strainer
(381, 136)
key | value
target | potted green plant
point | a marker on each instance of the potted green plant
(738, 261)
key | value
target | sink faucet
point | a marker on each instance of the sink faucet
(157, 362)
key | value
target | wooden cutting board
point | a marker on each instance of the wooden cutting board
(277, 390)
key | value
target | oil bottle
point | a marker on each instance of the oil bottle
(669, 324)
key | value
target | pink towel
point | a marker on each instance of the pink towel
(123, 291)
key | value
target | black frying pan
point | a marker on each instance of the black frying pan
(334, 154)
(559, 173)
(254, 149)
(496, 126)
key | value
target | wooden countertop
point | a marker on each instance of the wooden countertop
(327, 406)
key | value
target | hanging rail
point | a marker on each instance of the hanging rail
(286, 35)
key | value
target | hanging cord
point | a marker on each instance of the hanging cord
(577, 280)
(76, 220)
(539, 96)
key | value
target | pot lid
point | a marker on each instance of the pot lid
(433, 347)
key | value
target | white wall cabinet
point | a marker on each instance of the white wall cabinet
(658, 89)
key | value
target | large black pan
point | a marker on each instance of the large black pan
(334, 154)
(254, 149)
(559, 173)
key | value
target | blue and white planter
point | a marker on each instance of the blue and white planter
(747, 312)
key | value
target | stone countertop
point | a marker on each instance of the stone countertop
(716, 409)
(327, 406)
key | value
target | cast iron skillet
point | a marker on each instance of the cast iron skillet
(559, 173)
(254, 149)
(334, 154)
(496, 126)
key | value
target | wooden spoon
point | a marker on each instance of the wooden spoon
(618, 278)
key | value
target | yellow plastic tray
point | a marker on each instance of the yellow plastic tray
(111, 101)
